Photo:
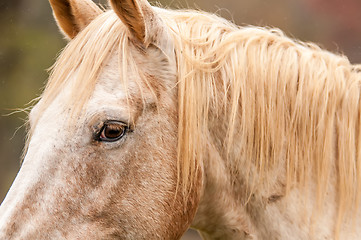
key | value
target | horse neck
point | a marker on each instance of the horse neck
(226, 186)
(234, 192)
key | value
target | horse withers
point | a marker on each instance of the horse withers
(155, 120)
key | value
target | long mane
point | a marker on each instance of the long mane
(280, 103)
(285, 107)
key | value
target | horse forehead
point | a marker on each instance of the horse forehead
(109, 86)
(109, 90)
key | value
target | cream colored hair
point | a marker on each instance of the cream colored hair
(287, 103)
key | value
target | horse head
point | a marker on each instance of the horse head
(101, 160)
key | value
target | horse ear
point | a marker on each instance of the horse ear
(73, 16)
(130, 12)
(143, 23)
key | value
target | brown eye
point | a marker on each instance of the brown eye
(112, 131)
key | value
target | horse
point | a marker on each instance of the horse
(155, 120)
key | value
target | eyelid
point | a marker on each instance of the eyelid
(98, 117)
(114, 122)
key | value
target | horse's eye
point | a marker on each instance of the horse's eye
(112, 131)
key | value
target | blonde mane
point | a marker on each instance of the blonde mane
(282, 103)
(287, 105)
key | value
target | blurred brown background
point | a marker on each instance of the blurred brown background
(30, 42)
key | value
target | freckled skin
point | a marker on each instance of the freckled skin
(117, 190)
